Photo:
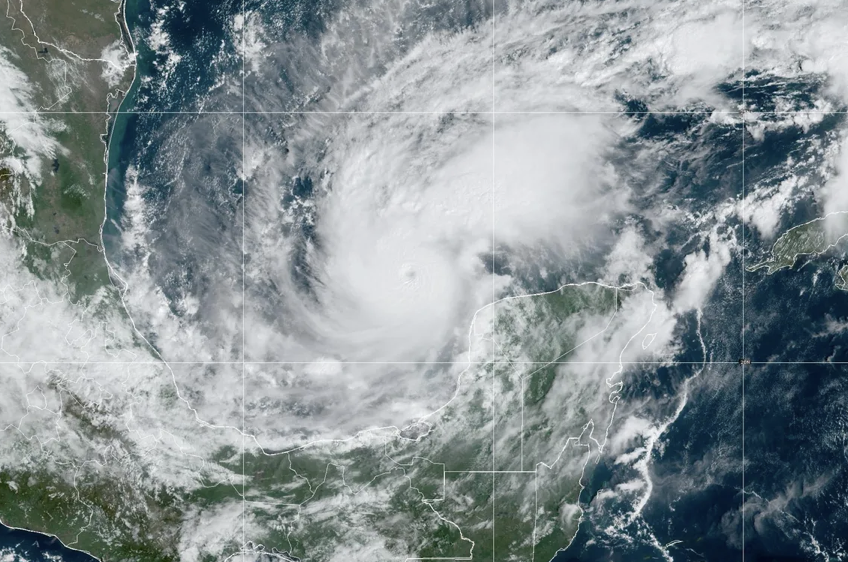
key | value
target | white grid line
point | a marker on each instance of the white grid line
(494, 302)
(244, 362)
(434, 363)
(494, 471)
(441, 112)
(743, 247)
(243, 275)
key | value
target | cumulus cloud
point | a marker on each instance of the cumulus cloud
(252, 45)
(369, 237)
(292, 404)
(399, 230)
(834, 194)
(800, 42)
(36, 310)
(391, 58)
(31, 134)
(702, 271)
(551, 182)
(87, 356)
(629, 259)
(579, 55)
(405, 224)
(763, 208)
(631, 429)
(116, 61)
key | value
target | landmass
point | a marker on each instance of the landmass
(842, 278)
(498, 471)
(114, 460)
(70, 64)
(812, 238)
(117, 461)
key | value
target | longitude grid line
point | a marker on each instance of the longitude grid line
(243, 274)
(243, 362)
(494, 302)
(743, 246)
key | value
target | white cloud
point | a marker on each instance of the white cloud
(28, 131)
(835, 192)
(763, 207)
(551, 183)
(629, 259)
(159, 42)
(702, 271)
(406, 221)
(250, 40)
(619, 47)
(404, 216)
(210, 531)
(632, 430)
(791, 40)
(117, 62)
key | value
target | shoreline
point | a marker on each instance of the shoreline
(52, 538)
(59, 546)
(117, 123)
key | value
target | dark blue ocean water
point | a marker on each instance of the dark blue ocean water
(26, 546)
(795, 423)
(207, 79)
(794, 420)
(196, 34)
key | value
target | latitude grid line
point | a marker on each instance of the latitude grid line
(244, 361)
(200, 362)
(743, 247)
(431, 112)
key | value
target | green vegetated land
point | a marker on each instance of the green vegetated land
(105, 515)
(58, 215)
(89, 484)
(92, 483)
(470, 481)
(86, 488)
(842, 278)
(425, 491)
(85, 483)
(811, 238)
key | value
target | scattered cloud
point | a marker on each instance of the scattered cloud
(32, 135)
(704, 267)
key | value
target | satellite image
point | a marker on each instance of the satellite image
(423, 280)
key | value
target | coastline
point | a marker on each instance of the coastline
(120, 121)
(46, 543)
(40, 542)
